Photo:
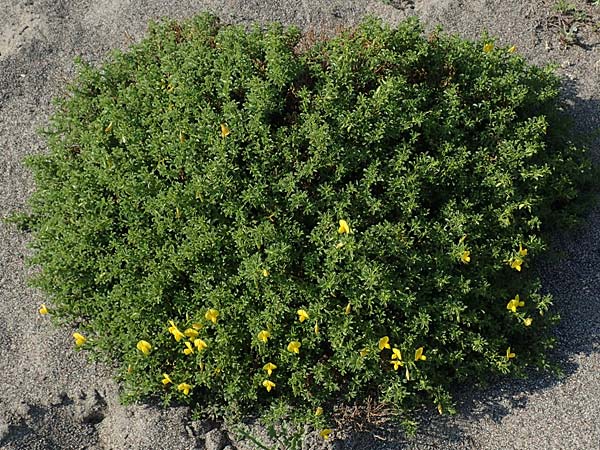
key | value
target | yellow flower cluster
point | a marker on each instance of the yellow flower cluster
(294, 347)
(185, 388)
(144, 347)
(269, 368)
(465, 257)
(325, 433)
(344, 227)
(517, 261)
(225, 131)
(509, 354)
(195, 343)
(396, 357)
(175, 331)
(384, 343)
(515, 303)
(192, 334)
(264, 336)
(192, 345)
(79, 339)
(268, 384)
(181, 387)
(302, 315)
(212, 315)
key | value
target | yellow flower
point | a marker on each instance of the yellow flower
(522, 251)
(294, 347)
(191, 333)
(397, 363)
(144, 347)
(396, 354)
(316, 327)
(384, 342)
(269, 367)
(79, 339)
(528, 321)
(465, 257)
(488, 47)
(319, 411)
(43, 310)
(514, 304)
(348, 309)
(302, 315)
(515, 263)
(225, 130)
(196, 326)
(265, 273)
(419, 356)
(212, 315)
(175, 331)
(509, 354)
(268, 384)
(166, 379)
(512, 49)
(363, 352)
(325, 433)
(344, 228)
(439, 408)
(200, 344)
(189, 349)
(264, 336)
(184, 387)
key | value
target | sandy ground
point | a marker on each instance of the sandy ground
(53, 398)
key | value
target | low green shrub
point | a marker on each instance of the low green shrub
(240, 224)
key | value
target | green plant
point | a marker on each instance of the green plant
(237, 224)
(284, 437)
(569, 19)
(565, 7)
